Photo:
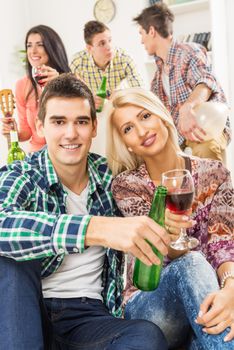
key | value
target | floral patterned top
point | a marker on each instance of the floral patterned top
(213, 208)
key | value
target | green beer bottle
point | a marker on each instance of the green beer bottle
(102, 93)
(15, 152)
(147, 277)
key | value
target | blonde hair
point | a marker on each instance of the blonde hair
(118, 156)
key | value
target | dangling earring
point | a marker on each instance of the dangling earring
(129, 148)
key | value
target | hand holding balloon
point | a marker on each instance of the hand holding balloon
(211, 117)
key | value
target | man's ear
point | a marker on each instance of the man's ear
(39, 127)
(94, 133)
(89, 48)
(152, 31)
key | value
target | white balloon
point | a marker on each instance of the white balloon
(211, 117)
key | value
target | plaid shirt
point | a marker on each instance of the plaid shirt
(121, 67)
(34, 223)
(188, 66)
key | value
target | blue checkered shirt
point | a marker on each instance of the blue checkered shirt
(34, 223)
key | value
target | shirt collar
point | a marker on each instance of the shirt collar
(94, 177)
(108, 67)
(51, 178)
(171, 56)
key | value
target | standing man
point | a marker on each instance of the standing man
(56, 222)
(100, 59)
(183, 79)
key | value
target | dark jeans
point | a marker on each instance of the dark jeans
(27, 322)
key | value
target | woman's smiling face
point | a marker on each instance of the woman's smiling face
(141, 131)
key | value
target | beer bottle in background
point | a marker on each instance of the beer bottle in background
(147, 277)
(102, 93)
(15, 152)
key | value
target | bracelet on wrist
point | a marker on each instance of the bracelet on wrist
(224, 277)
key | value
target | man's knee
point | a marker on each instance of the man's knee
(213, 149)
(149, 335)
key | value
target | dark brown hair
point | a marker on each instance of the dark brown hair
(92, 28)
(158, 16)
(67, 86)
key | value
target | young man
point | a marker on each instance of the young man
(55, 223)
(183, 79)
(100, 59)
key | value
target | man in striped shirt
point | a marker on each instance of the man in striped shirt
(56, 222)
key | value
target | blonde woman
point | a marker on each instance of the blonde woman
(141, 145)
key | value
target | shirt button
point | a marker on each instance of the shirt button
(59, 258)
(75, 250)
(61, 250)
(31, 255)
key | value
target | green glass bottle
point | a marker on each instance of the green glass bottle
(15, 152)
(102, 93)
(147, 277)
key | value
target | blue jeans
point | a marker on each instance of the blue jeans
(174, 305)
(27, 322)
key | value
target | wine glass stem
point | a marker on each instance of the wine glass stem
(183, 235)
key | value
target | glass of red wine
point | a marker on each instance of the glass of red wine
(180, 192)
(37, 75)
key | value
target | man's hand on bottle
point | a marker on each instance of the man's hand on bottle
(130, 235)
(98, 101)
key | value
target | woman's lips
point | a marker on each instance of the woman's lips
(149, 141)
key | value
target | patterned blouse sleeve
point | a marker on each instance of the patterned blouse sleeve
(221, 221)
(132, 194)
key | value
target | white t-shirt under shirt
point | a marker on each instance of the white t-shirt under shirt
(80, 275)
(166, 85)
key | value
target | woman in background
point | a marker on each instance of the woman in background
(45, 50)
(142, 144)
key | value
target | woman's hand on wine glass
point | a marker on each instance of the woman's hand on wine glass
(43, 74)
(180, 193)
(173, 224)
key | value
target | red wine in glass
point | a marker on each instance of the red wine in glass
(180, 191)
(38, 79)
(37, 76)
(179, 202)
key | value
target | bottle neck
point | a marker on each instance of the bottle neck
(14, 137)
(157, 210)
(103, 84)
